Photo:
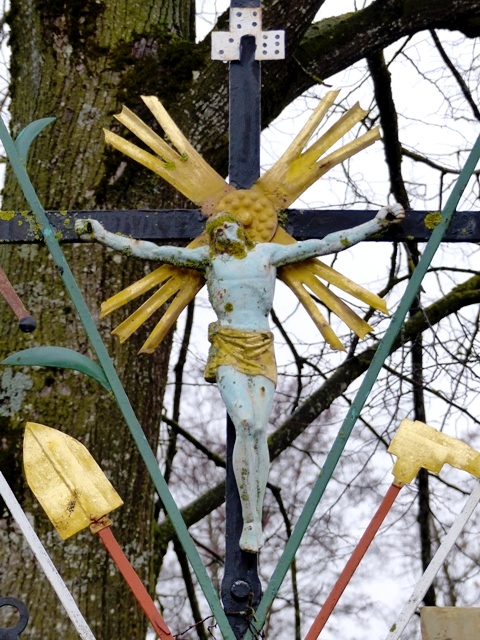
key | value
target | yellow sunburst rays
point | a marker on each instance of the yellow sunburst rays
(296, 170)
(256, 209)
(188, 172)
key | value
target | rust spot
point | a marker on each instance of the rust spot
(72, 504)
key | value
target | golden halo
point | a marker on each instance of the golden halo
(253, 210)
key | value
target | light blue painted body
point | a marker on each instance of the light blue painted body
(241, 286)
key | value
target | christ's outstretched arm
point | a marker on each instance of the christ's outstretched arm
(180, 256)
(338, 241)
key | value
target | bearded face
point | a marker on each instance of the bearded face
(226, 235)
(228, 239)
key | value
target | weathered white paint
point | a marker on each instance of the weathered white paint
(437, 561)
(45, 562)
(247, 22)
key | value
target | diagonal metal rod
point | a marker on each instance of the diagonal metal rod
(45, 562)
(436, 563)
(136, 585)
(353, 562)
(369, 380)
(117, 388)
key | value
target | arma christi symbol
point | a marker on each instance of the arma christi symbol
(75, 494)
(256, 209)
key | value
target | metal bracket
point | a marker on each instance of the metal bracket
(247, 22)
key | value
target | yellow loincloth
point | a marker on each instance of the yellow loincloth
(250, 352)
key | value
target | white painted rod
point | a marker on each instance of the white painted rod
(45, 562)
(434, 566)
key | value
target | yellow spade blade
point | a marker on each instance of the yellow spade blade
(66, 480)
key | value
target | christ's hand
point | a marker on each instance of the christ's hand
(88, 229)
(393, 214)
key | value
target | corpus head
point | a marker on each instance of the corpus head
(227, 235)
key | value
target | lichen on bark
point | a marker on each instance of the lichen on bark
(64, 69)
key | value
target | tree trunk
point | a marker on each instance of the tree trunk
(79, 62)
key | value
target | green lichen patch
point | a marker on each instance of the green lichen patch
(282, 217)
(433, 219)
(165, 56)
(7, 215)
(228, 307)
(216, 221)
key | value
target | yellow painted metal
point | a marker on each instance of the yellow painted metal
(345, 284)
(178, 283)
(418, 446)
(250, 352)
(306, 273)
(298, 168)
(190, 287)
(255, 208)
(156, 277)
(183, 167)
(295, 284)
(66, 480)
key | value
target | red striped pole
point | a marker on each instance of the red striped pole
(352, 564)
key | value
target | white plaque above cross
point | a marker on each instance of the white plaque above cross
(247, 22)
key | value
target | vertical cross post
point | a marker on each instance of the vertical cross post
(241, 588)
(244, 45)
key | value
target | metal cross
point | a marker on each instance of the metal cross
(246, 20)
(243, 46)
(241, 589)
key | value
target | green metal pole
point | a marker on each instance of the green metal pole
(365, 388)
(114, 381)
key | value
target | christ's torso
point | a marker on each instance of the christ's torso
(241, 289)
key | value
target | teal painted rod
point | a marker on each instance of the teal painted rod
(117, 388)
(370, 377)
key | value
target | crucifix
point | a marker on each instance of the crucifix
(247, 44)
(238, 258)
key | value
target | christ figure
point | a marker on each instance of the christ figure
(240, 277)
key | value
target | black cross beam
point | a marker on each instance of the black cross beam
(182, 225)
(241, 589)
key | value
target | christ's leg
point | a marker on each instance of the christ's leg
(248, 400)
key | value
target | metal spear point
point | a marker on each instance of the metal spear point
(75, 494)
(416, 446)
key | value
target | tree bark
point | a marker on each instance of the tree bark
(79, 62)
(315, 52)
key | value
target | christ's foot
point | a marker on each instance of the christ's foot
(252, 539)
